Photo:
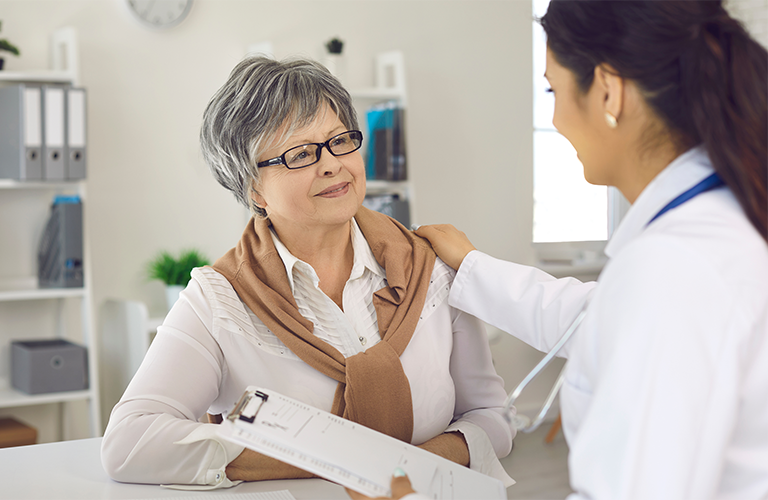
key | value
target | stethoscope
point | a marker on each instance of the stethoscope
(522, 422)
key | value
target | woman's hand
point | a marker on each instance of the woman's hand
(400, 486)
(449, 243)
(253, 466)
(450, 445)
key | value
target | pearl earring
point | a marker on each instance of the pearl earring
(611, 120)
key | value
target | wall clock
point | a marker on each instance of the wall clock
(160, 14)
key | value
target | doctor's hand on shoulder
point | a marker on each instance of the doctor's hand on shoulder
(400, 486)
(450, 244)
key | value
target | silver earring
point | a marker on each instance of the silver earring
(611, 120)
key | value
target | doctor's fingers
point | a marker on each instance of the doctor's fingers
(449, 243)
(359, 496)
(400, 486)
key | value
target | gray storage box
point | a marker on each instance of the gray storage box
(51, 365)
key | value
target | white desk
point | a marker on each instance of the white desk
(71, 470)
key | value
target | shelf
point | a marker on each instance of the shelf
(27, 289)
(377, 93)
(10, 397)
(33, 197)
(374, 186)
(15, 184)
(50, 76)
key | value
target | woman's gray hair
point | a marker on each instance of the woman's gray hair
(264, 102)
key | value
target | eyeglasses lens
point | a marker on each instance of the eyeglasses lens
(345, 143)
(303, 156)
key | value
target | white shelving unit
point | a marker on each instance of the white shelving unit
(389, 85)
(27, 311)
(24, 289)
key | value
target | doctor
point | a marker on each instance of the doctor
(666, 390)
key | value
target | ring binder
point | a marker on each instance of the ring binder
(21, 133)
(54, 129)
(75, 134)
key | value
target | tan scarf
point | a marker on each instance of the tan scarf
(373, 389)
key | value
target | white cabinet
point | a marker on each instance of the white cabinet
(389, 86)
(28, 312)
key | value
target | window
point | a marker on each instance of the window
(572, 219)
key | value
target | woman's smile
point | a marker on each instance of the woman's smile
(335, 191)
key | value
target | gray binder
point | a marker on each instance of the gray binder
(76, 133)
(21, 133)
(54, 132)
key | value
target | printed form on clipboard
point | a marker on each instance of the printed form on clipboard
(346, 452)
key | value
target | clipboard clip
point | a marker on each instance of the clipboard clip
(248, 407)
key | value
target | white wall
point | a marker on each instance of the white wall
(754, 15)
(468, 67)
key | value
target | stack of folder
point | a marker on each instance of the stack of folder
(386, 142)
(42, 132)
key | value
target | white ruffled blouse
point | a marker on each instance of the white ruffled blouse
(211, 347)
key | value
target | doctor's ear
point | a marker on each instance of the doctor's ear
(611, 88)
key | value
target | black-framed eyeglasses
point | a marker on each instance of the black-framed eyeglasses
(309, 154)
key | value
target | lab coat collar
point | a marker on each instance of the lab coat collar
(684, 172)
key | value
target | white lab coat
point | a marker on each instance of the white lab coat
(666, 391)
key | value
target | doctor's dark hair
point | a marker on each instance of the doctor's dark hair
(264, 102)
(697, 68)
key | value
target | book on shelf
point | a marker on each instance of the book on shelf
(386, 157)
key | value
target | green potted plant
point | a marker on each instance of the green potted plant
(334, 46)
(175, 272)
(6, 46)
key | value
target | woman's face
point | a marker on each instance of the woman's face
(580, 118)
(324, 194)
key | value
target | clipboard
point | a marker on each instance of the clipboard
(346, 452)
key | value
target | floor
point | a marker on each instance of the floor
(540, 469)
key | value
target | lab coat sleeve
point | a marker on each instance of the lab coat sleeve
(162, 406)
(665, 366)
(523, 301)
(480, 397)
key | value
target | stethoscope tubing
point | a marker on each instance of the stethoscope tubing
(512, 397)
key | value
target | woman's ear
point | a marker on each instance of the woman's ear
(611, 87)
(257, 198)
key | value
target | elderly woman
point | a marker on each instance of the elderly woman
(321, 300)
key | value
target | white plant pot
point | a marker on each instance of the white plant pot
(172, 294)
(336, 65)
